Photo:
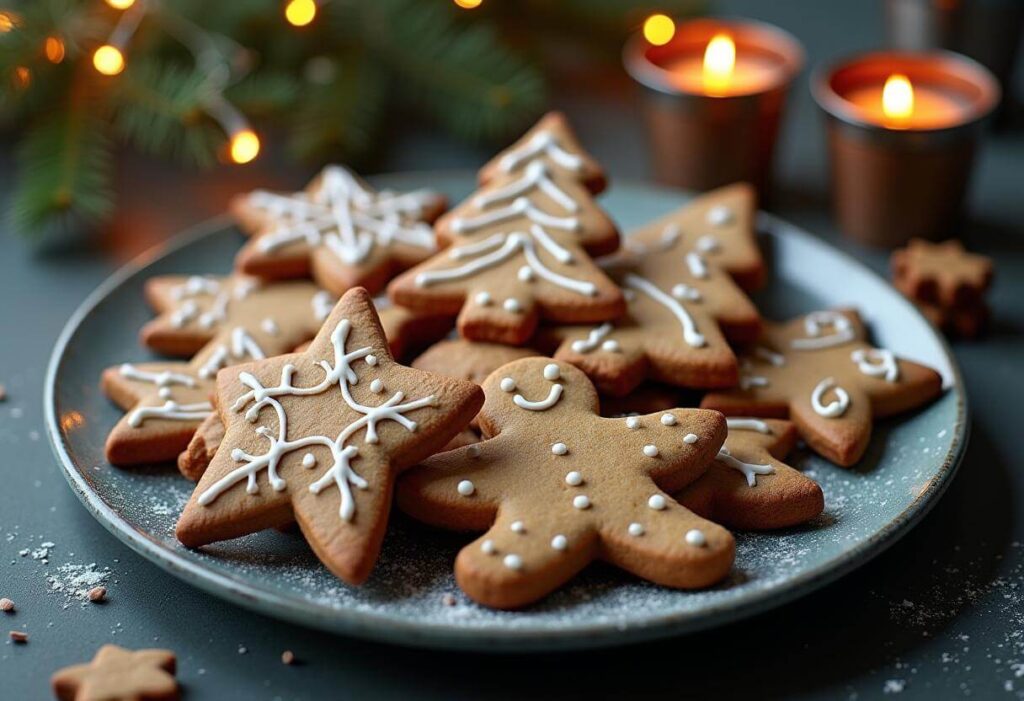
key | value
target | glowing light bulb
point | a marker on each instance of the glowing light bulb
(719, 63)
(108, 60)
(299, 13)
(120, 4)
(245, 146)
(53, 47)
(659, 29)
(898, 98)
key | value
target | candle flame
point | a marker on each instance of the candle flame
(719, 63)
(898, 97)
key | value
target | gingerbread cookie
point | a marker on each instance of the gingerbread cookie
(748, 487)
(645, 399)
(118, 674)
(194, 309)
(821, 372)
(518, 252)
(339, 231)
(319, 437)
(943, 274)
(193, 461)
(552, 142)
(715, 228)
(468, 360)
(556, 486)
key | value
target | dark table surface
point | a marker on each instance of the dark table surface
(941, 614)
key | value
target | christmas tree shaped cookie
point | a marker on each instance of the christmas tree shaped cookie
(339, 230)
(519, 250)
(318, 437)
(555, 486)
(748, 487)
(821, 372)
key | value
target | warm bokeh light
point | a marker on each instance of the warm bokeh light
(53, 47)
(7, 22)
(108, 60)
(468, 4)
(659, 29)
(898, 97)
(245, 146)
(22, 76)
(120, 4)
(719, 62)
(299, 13)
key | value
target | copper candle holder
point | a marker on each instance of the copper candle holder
(898, 177)
(704, 138)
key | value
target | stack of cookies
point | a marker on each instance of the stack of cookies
(532, 376)
(947, 283)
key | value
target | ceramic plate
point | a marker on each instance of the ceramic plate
(908, 466)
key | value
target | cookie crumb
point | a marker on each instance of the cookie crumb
(6, 605)
(287, 657)
(97, 595)
(448, 599)
(18, 636)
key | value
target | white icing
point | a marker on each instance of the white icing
(559, 542)
(749, 381)
(690, 333)
(657, 502)
(170, 410)
(559, 449)
(270, 327)
(341, 474)
(193, 286)
(344, 217)
(165, 393)
(581, 502)
(750, 471)
(814, 326)
(525, 274)
(543, 143)
(698, 268)
(240, 346)
(574, 479)
(592, 340)
(164, 378)
(323, 303)
(371, 359)
(632, 422)
(651, 450)
(551, 372)
(376, 386)
(686, 293)
(465, 488)
(309, 461)
(877, 362)
(507, 384)
(668, 420)
(518, 527)
(487, 547)
(635, 529)
(611, 346)
(669, 237)
(708, 244)
(513, 562)
(742, 424)
(554, 394)
(837, 407)
(770, 356)
(483, 299)
(690, 438)
(696, 538)
(719, 215)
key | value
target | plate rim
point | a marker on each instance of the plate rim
(436, 635)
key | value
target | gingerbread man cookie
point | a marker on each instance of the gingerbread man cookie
(519, 251)
(339, 231)
(118, 674)
(821, 372)
(468, 360)
(319, 437)
(193, 309)
(943, 274)
(556, 486)
(748, 487)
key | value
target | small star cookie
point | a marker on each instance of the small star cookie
(556, 486)
(319, 437)
(943, 274)
(820, 371)
(118, 674)
(339, 231)
(748, 487)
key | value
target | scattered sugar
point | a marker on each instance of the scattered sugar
(75, 581)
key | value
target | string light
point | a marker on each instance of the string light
(53, 47)
(659, 29)
(245, 146)
(108, 60)
(299, 13)
(22, 76)
(8, 21)
(120, 4)
(468, 4)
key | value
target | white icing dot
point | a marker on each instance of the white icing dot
(668, 419)
(525, 273)
(377, 386)
(551, 372)
(237, 454)
(483, 299)
(507, 384)
(696, 538)
(651, 450)
(559, 542)
(473, 451)
(513, 562)
(164, 392)
(632, 422)
(690, 438)
(487, 547)
(559, 449)
(611, 346)
(465, 488)
(518, 527)
(511, 305)
(657, 502)
(719, 215)
(574, 479)
(270, 326)
(635, 529)
(371, 359)
(308, 461)
(581, 502)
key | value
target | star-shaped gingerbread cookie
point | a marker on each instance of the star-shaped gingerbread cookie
(556, 486)
(944, 274)
(193, 309)
(319, 437)
(117, 674)
(748, 487)
(820, 371)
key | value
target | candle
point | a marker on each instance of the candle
(902, 129)
(714, 96)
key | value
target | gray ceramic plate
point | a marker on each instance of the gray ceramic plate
(909, 465)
